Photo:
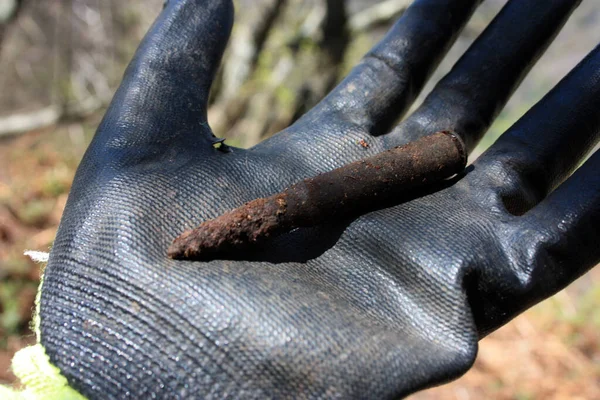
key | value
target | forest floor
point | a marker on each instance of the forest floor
(551, 351)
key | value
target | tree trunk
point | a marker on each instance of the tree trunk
(67, 57)
(286, 55)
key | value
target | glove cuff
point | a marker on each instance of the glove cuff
(38, 377)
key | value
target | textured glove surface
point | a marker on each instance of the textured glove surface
(374, 307)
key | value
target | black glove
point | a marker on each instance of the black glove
(374, 307)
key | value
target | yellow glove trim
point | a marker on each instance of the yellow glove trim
(39, 378)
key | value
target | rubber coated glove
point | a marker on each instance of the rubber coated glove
(373, 307)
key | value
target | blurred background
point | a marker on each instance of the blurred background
(61, 60)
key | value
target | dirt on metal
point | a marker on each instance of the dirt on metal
(353, 189)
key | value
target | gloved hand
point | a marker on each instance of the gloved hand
(374, 307)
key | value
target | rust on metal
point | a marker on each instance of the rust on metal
(352, 189)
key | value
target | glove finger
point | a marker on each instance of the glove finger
(563, 232)
(162, 100)
(390, 76)
(471, 95)
(547, 144)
